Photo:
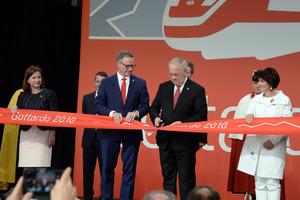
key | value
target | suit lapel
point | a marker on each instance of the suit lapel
(170, 95)
(92, 99)
(116, 88)
(131, 87)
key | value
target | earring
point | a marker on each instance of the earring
(271, 88)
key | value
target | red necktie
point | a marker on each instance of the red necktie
(176, 96)
(123, 90)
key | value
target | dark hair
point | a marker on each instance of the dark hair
(269, 75)
(203, 192)
(101, 73)
(28, 73)
(123, 54)
(191, 65)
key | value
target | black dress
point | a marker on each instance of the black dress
(33, 149)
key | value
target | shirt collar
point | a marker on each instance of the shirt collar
(120, 77)
(182, 85)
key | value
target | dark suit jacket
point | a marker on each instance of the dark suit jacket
(88, 108)
(109, 98)
(191, 107)
(45, 100)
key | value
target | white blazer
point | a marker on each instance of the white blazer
(255, 159)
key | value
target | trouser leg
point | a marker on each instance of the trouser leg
(129, 157)
(267, 188)
(274, 189)
(261, 188)
(89, 162)
(109, 153)
(186, 162)
(169, 169)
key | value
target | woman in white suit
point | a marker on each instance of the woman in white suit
(263, 156)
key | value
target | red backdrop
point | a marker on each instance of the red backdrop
(223, 69)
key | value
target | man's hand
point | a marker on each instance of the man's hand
(158, 122)
(17, 193)
(131, 116)
(268, 145)
(63, 188)
(249, 118)
(117, 117)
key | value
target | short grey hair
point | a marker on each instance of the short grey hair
(181, 61)
(123, 54)
(161, 193)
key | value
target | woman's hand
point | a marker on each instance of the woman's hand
(14, 109)
(268, 145)
(201, 144)
(51, 138)
(249, 118)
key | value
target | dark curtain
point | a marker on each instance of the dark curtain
(44, 33)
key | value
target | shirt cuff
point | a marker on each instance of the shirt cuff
(111, 113)
(137, 113)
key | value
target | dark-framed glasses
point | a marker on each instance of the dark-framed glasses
(128, 66)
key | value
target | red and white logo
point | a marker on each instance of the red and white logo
(233, 28)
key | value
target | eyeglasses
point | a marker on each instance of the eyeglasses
(174, 75)
(128, 66)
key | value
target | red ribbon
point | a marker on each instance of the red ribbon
(265, 126)
(273, 126)
(65, 119)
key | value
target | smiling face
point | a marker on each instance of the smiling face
(177, 74)
(264, 86)
(35, 80)
(123, 70)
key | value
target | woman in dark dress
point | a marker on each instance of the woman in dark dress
(35, 148)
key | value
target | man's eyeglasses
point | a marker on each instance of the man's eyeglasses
(128, 66)
(174, 75)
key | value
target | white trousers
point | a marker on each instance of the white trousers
(267, 188)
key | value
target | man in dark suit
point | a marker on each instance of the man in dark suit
(91, 141)
(121, 95)
(177, 150)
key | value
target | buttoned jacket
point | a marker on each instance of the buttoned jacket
(255, 159)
